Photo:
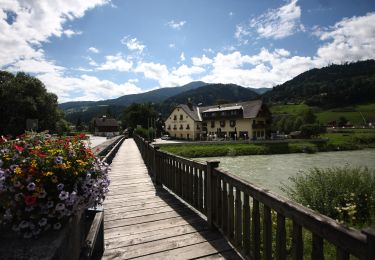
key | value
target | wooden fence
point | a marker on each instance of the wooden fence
(257, 222)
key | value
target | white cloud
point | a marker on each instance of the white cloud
(34, 23)
(116, 62)
(275, 23)
(86, 87)
(184, 70)
(160, 73)
(201, 61)
(133, 44)
(172, 45)
(350, 39)
(264, 69)
(231, 14)
(69, 33)
(93, 50)
(176, 24)
(182, 56)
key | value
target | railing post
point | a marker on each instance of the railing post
(210, 189)
(157, 165)
(370, 244)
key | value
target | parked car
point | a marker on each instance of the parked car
(165, 137)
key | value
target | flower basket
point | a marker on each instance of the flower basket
(45, 181)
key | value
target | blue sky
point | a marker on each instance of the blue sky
(101, 49)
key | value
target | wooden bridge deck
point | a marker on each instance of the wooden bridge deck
(144, 221)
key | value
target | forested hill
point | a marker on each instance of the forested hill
(155, 96)
(332, 86)
(210, 94)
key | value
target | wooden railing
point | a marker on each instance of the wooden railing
(258, 223)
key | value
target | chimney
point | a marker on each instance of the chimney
(190, 105)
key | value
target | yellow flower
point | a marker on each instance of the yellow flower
(33, 164)
(18, 170)
(81, 163)
(48, 173)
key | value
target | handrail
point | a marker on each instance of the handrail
(243, 212)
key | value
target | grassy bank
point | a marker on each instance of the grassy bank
(336, 141)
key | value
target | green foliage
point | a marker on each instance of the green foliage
(138, 114)
(145, 133)
(25, 97)
(346, 194)
(309, 130)
(332, 86)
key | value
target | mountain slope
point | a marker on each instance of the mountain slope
(332, 86)
(210, 94)
(157, 95)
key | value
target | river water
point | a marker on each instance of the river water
(272, 171)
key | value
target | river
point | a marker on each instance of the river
(272, 171)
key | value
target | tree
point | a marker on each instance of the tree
(309, 130)
(308, 116)
(342, 121)
(138, 114)
(25, 97)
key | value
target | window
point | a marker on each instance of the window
(232, 123)
(198, 127)
(175, 117)
(223, 113)
(212, 124)
(187, 136)
(169, 127)
(181, 127)
(222, 123)
(188, 127)
(181, 117)
(174, 127)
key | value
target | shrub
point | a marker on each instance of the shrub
(345, 194)
(44, 181)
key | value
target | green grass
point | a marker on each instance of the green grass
(339, 140)
(354, 114)
(289, 109)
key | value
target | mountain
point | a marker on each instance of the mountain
(209, 94)
(157, 95)
(328, 87)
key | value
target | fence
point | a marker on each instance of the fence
(248, 215)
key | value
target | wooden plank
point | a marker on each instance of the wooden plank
(280, 237)
(341, 254)
(143, 219)
(238, 229)
(224, 225)
(162, 245)
(154, 235)
(192, 251)
(196, 193)
(267, 233)
(229, 254)
(297, 242)
(246, 225)
(317, 248)
(256, 230)
(230, 212)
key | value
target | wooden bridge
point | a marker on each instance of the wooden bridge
(147, 219)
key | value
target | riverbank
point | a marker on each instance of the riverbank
(334, 141)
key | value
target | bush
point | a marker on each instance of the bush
(345, 194)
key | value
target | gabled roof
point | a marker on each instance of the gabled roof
(250, 109)
(103, 121)
(192, 111)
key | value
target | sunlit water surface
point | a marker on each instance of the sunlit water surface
(272, 171)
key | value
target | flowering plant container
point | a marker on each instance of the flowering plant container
(45, 181)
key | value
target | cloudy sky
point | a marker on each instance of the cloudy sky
(100, 49)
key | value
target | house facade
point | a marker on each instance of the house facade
(241, 120)
(104, 126)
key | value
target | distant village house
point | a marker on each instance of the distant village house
(241, 120)
(104, 126)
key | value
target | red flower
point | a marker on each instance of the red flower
(30, 200)
(19, 148)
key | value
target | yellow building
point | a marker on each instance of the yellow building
(241, 120)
